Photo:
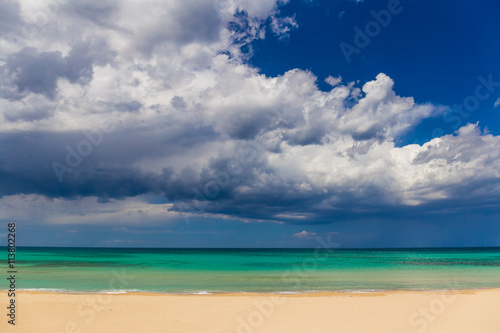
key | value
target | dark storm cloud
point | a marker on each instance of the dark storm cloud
(9, 16)
(245, 186)
(99, 12)
(247, 126)
(31, 111)
(193, 21)
(280, 203)
(304, 137)
(373, 132)
(178, 102)
(108, 171)
(239, 183)
(38, 72)
(197, 22)
(208, 132)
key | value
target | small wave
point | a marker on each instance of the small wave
(120, 291)
(216, 292)
(47, 290)
(201, 292)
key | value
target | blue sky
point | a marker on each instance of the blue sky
(434, 51)
(235, 123)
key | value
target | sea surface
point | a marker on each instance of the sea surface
(205, 271)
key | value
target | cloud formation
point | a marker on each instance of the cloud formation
(34, 72)
(305, 235)
(193, 123)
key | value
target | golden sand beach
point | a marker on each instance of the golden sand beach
(475, 311)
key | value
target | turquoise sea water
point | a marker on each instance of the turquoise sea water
(253, 270)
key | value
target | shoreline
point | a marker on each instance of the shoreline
(251, 293)
(397, 311)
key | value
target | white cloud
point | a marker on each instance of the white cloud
(282, 26)
(86, 210)
(333, 81)
(305, 235)
(185, 102)
(497, 103)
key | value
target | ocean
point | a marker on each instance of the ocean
(205, 271)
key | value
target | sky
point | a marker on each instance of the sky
(250, 123)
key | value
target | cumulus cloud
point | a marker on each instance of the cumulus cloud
(497, 103)
(38, 72)
(305, 235)
(100, 12)
(31, 108)
(282, 26)
(9, 16)
(165, 104)
(333, 81)
(87, 210)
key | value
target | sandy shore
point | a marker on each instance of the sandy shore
(398, 312)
